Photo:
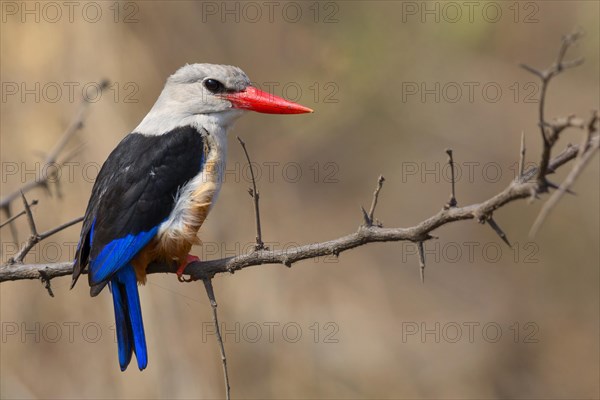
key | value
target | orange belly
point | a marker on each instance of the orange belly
(174, 245)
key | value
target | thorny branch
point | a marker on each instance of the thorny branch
(45, 274)
(14, 217)
(44, 180)
(583, 158)
(551, 131)
(35, 237)
(201, 270)
(523, 187)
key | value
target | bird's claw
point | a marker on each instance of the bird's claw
(189, 259)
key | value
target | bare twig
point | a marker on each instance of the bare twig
(59, 228)
(14, 217)
(260, 245)
(584, 155)
(549, 131)
(452, 202)
(213, 304)
(35, 237)
(52, 157)
(43, 180)
(369, 217)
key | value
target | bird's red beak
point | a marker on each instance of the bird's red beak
(254, 99)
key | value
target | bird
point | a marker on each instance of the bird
(156, 188)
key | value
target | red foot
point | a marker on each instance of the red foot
(189, 259)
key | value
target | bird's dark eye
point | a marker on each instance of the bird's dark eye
(213, 85)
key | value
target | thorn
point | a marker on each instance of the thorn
(572, 64)
(29, 215)
(555, 186)
(286, 261)
(592, 121)
(498, 230)
(522, 157)
(259, 245)
(14, 217)
(421, 261)
(210, 292)
(368, 222)
(533, 71)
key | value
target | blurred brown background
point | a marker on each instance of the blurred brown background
(490, 322)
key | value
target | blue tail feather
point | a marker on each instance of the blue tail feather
(128, 317)
(122, 324)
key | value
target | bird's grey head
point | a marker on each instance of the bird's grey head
(211, 96)
(201, 87)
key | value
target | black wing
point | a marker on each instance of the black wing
(135, 191)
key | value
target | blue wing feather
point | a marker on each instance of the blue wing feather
(117, 253)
